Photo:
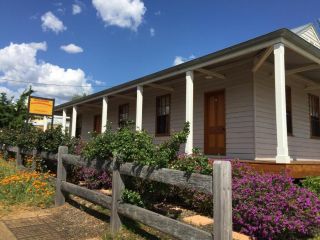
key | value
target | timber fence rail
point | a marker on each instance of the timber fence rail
(20, 154)
(219, 184)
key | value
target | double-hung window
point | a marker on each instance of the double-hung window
(123, 114)
(163, 115)
(314, 116)
(289, 110)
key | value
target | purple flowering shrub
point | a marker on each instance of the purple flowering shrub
(94, 179)
(271, 206)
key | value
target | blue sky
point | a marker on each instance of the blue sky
(116, 40)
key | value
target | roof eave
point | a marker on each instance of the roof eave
(275, 36)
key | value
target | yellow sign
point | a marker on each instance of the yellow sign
(41, 106)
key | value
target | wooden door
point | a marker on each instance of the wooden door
(97, 123)
(214, 124)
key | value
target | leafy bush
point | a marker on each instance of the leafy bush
(271, 206)
(168, 150)
(128, 145)
(99, 147)
(8, 136)
(94, 179)
(132, 197)
(193, 163)
(313, 184)
(50, 140)
(33, 138)
(133, 146)
(28, 139)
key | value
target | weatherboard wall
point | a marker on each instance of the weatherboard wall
(238, 87)
(301, 145)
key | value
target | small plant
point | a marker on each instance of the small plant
(313, 184)
(94, 179)
(132, 197)
(193, 163)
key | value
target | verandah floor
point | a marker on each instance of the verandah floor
(296, 169)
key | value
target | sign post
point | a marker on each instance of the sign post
(41, 106)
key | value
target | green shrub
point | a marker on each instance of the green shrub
(196, 162)
(32, 138)
(313, 184)
(28, 139)
(132, 197)
(133, 146)
(129, 145)
(100, 146)
(8, 136)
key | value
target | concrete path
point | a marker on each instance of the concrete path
(66, 222)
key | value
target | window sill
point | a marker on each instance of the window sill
(315, 137)
(163, 135)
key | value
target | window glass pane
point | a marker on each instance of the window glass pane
(314, 115)
(123, 114)
(163, 114)
(289, 109)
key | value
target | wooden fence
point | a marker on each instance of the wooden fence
(219, 184)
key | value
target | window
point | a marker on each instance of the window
(163, 115)
(289, 110)
(314, 115)
(123, 114)
(79, 126)
(97, 123)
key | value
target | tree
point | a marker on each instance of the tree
(78, 96)
(14, 114)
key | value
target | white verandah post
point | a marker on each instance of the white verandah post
(104, 114)
(74, 121)
(280, 95)
(45, 123)
(64, 120)
(139, 108)
(189, 110)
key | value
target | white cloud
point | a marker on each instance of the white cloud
(121, 13)
(51, 22)
(178, 59)
(157, 13)
(71, 48)
(152, 32)
(20, 68)
(97, 82)
(76, 9)
(9, 92)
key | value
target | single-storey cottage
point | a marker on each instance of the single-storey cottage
(257, 100)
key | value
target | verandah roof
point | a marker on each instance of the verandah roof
(241, 49)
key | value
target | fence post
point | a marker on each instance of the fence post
(18, 157)
(5, 152)
(222, 194)
(117, 188)
(34, 160)
(61, 176)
